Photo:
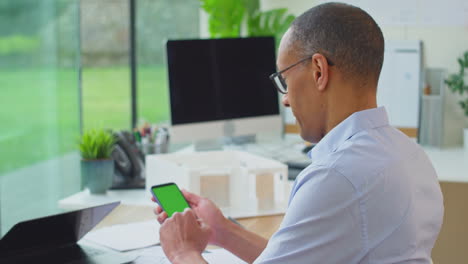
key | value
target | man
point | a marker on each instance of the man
(370, 195)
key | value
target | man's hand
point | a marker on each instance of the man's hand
(183, 237)
(239, 241)
(204, 209)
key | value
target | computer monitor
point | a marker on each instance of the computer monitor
(220, 88)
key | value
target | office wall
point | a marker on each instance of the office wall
(443, 41)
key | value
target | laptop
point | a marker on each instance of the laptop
(54, 239)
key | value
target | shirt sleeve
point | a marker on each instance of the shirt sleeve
(323, 223)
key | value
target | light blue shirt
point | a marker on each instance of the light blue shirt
(370, 195)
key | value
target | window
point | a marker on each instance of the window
(105, 38)
(105, 61)
(158, 21)
(53, 46)
(39, 107)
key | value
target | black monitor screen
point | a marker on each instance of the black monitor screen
(218, 79)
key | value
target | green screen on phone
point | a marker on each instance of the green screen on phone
(170, 198)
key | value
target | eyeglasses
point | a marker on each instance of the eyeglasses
(279, 81)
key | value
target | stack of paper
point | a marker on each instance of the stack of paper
(144, 236)
(128, 236)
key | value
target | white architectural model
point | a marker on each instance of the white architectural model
(240, 183)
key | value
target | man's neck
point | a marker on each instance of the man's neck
(346, 106)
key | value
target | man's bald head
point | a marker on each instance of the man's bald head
(345, 34)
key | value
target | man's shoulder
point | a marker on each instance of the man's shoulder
(369, 153)
(321, 179)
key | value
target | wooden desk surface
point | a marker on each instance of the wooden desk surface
(123, 214)
(449, 248)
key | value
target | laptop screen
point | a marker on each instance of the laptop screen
(55, 230)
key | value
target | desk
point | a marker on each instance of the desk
(451, 166)
(261, 225)
(140, 198)
(452, 169)
(85, 199)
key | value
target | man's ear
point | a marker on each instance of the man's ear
(320, 71)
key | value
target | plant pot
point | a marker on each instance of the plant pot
(97, 175)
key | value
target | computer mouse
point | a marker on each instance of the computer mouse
(306, 149)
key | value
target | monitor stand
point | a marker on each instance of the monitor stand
(208, 144)
(229, 138)
(218, 144)
(240, 140)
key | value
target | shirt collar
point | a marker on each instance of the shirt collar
(358, 121)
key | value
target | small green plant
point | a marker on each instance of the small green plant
(456, 82)
(96, 144)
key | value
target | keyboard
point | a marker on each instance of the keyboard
(289, 152)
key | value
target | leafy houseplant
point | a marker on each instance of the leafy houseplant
(458, 83)
(97, 165)
(226, 18)
(273, 22)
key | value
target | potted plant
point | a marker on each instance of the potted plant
(458, 83)
(97, 165)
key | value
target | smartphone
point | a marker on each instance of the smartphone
(170, 198)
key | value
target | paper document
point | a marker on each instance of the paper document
(152, 255)
(156, 255)
(126, 237)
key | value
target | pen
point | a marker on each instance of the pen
(137, 135)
